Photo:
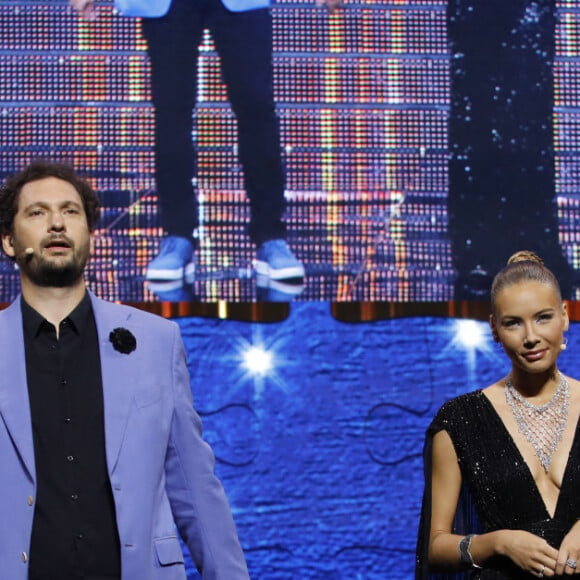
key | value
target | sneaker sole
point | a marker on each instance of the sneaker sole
(265, 283)
(160, 287)
(177, 275)
(264, 269)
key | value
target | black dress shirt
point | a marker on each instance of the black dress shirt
(74, 533)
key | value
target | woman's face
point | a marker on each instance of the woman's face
(529, 321)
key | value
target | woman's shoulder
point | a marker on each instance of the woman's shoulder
(462, 401)
(459, 410)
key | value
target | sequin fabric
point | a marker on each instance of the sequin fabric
(498, 483)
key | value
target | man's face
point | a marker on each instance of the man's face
(51, 221)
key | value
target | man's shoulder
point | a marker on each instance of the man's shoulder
(130, 313)
(11, 309)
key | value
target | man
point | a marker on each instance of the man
(101, 448)
(242, 33)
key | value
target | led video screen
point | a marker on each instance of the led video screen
(386, 145)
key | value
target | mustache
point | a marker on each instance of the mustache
(60, 240)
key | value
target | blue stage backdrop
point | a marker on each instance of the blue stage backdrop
(318, 430)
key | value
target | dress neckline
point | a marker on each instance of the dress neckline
(520, 456)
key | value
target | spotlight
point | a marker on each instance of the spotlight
(258, 361)
(469, 334)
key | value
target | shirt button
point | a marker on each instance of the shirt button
(63, 382)
(67, 419)
(70, 458)
(30, 500)
(74, 496)
(24, 557)
(80, 536)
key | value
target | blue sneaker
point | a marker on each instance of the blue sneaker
(275, 261)
(173, 265)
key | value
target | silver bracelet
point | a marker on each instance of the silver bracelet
(465, 556)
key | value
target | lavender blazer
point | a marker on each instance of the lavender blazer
(161, 471)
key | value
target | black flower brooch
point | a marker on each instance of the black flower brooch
(123, 340)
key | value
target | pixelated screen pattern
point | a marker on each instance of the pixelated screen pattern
(363, 101)
(566, 129)
(362, 98)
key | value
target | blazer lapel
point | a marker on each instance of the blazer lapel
(14, 401)
(117, 388)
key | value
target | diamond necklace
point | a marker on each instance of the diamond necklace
(541, 425)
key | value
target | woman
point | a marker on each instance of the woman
(506, 459)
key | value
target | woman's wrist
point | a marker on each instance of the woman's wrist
(499, 542)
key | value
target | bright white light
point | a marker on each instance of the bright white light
(469, 334)
(258, 361)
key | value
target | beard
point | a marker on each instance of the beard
(54, 273)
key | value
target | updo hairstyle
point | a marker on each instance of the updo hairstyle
(523, 266)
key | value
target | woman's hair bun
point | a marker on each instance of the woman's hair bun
(525, 256)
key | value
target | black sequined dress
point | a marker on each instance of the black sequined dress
(499, 491)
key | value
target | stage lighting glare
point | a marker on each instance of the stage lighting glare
(258, 361)
(470, 334)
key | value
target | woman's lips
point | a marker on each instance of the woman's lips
(534, 355)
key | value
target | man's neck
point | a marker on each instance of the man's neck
(54, 304)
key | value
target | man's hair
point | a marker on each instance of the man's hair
(40, 169)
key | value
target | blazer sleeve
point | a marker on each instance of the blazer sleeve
(198, 501)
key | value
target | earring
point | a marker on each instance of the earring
(564, 344)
